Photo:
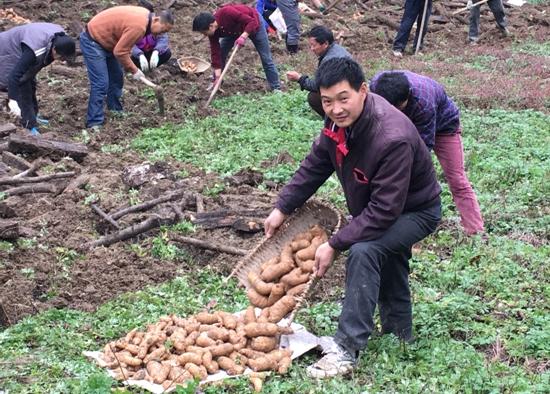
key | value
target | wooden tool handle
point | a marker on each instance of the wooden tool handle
(220, 79)
(466, 8)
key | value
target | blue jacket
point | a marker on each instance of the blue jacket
(265, 5)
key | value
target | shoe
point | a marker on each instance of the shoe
(397, 53)
(473, 40)
(505, 32)
(336, 361)
(42, 120)
(34, 131)
(292, 49)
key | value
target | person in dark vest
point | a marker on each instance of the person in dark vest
(392, 194)
(321, 43)
(24, 51)
(107, 45)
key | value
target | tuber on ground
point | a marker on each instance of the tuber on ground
(264, 344)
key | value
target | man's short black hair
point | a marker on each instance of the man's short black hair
(394, 87)
(340, 69)
(321, 34)
(203, 21)
(166, 17)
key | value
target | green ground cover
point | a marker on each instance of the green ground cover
(481, 310)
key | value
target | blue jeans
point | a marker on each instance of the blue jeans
(498, 11)
(261, 43)
(377, 273)
(106, 79)
(413, 12)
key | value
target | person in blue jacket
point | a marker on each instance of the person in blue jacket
(265, 8)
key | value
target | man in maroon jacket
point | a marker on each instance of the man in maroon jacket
(234, 23)
(392, 193)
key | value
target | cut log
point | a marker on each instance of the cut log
(208, 245)
(33, 188)
(387, 21)
(151, 203)
(36, 179)
(130, 232)
(104, 216)
(7, 129)
(15, 161)
(9, 229)
(40, 145)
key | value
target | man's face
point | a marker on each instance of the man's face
(316, 48)
(343, 104)
(157, 27)
(211, 29)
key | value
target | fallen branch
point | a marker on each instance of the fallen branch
(77, 183)
(105, 217)
(32, 188)
(200, 203)
(37, 144)
(208, 245)
(36, 165)
(15, 161)
(36, 179)
(146, 205)
(7, 129)
(130, 232)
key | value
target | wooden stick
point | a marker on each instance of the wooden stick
(36, 179)
(146, 205)
(32, 188)
(331, 6)
(130, 232)
(158, 93)
(220, 79)
(34, 167)
(466, 8)
(106, 217)
(421, 31)
(4, 318)
(208, 245)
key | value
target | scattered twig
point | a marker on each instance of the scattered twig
(36, 179)
(37, 164)
(130, 232)
(32, 188)
(106, 217)
(146, 205)
(208, 245)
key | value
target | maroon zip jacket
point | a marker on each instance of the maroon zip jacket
(383, 165)
(233, 20)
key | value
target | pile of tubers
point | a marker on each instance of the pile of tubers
(175, 350)
(188, 66)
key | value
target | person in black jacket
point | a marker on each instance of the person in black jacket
(392, 193)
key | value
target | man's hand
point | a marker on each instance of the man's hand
(14, 108)
(324, 256)
(241, 40)
(154, 62)
(143, 63)
(217, 74)
(470, 4)
(273, 221)
(138, 75)
(293, 75)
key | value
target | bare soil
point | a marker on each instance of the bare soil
(41, 272)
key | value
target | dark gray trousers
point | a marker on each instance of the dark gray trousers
(498, 11)
(377, 273)
(291, 15)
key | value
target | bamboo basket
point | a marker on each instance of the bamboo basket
(311, 213)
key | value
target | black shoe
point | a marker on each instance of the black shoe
(292, 49)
